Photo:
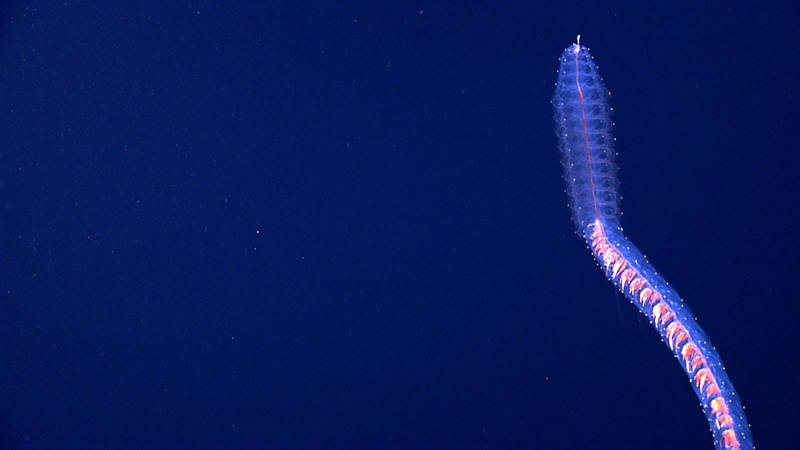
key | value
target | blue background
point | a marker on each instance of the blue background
(246, 224)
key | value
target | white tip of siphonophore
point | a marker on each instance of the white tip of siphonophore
(577, 47)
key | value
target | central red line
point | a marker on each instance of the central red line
(585, 131)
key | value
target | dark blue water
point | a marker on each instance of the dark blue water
(294, 224)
